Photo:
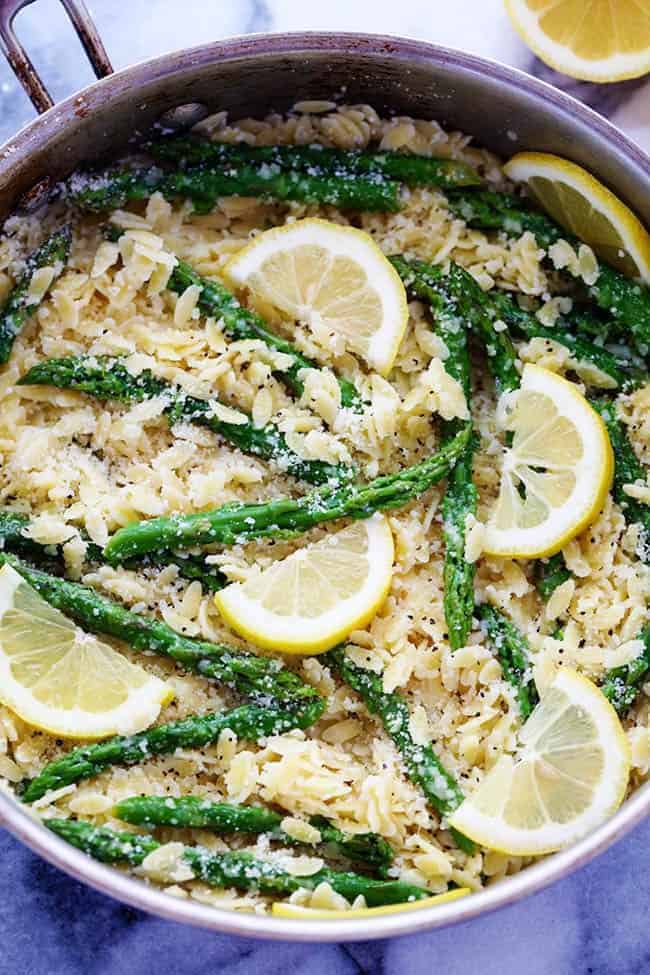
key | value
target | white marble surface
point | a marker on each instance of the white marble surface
(594, 923)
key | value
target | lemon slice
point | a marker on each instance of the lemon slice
(570, 775)
(582, 205)
(556, 473)
(332, 278)
(315, 597)
(603, 40)
(285, 909)
(64, 681)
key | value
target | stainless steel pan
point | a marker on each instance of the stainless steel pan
(504, 109)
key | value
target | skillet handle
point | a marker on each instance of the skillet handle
(20, 62)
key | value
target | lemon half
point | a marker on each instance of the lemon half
(571, 775)
(62, 680)
(582, 205)
(332, 278)
(285, 909)
(603, 40)
(310, 601)
(556, 473)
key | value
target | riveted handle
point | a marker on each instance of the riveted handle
(20, 62)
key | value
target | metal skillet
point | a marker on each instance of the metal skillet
(505, 110)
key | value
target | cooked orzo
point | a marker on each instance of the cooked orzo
(461, 642)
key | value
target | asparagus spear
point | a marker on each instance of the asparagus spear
(249, 722)
(319, 161)
(236, 523)
(627, 469)
(196, 812)
(626, 301)
(194, 568)
(460, 497)
(263, 678)
(619, 368)
(458, 503)
(484, 308)
(369, 848)
(13, 539)
(13, 525)
(54, 252)
(551, 573)
(215, 300)
(622, 684)
(457, 288)
(103, 844)
(242, 870)
(512, 651)
(108, 378)
(235, 868)
(422, 764)
(203, 185)
(589, 324)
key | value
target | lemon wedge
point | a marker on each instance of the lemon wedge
(315, 597)
(285, 909)
(570, 775)
(556, 473)
(62, 680)
(604, 40)
(580, 203)
(332, 278)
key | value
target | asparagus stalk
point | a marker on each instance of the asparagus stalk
(319, 161)
(458, 503)
(421, 762)
(484, 308)
(551, 573)
(586, 323)
(194, 568)
(204, 185)
(236, 523)
(108, 378)
(627, 469)
(619, 368)
(238, 869)
(368, 848)
(103, 844)
(215, 300)
(621, 685)
(626, 301)
(249, 722)
(460, 497)
(196, 812)
(13, 525)
(13, 539)
(54, 252)
(242, 870)
(263, 678)
(458, 289)
(512, 651)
